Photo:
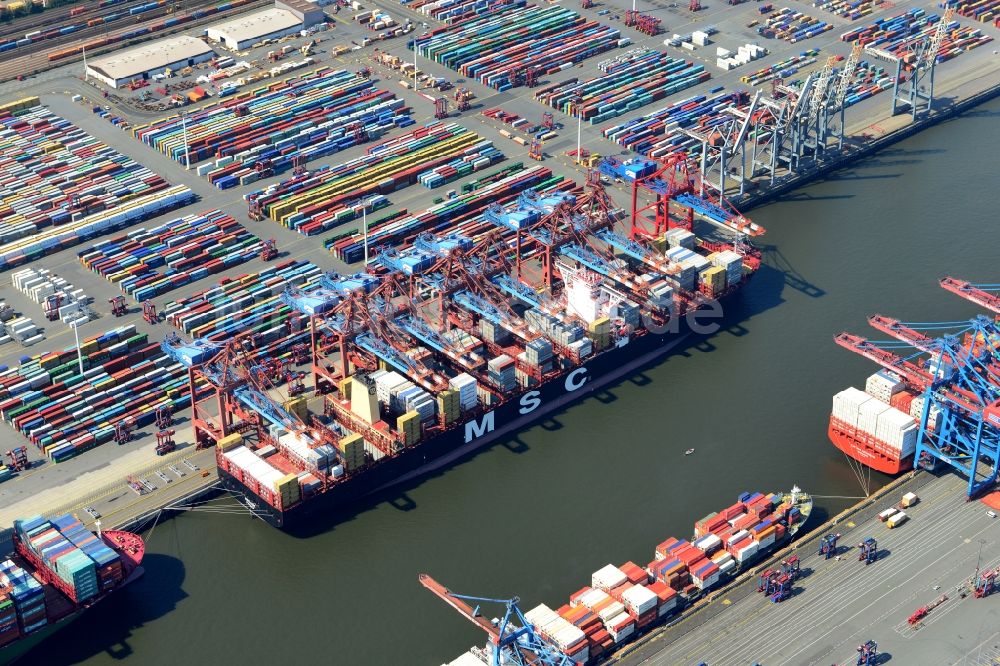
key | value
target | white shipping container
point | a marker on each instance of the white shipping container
(607, 578)
(639, 599)
(708, 543)
(868, 414)
(746, 552)
(592, 598)
(611, 610)
(883, 385)
(620, 627)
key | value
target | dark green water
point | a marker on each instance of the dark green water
(607, 479)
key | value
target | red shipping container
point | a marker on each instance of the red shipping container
(734, 510)
(616, 592)
(665, 547)
(634, 572)
(902, 401)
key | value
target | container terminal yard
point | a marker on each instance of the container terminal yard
(228, 212)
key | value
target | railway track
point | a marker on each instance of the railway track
(36, 60)
(58, 17)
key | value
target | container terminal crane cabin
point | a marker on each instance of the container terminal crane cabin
(452, 340)
(938, 406)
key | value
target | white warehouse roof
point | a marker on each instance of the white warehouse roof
(131, 63)
(254, 26)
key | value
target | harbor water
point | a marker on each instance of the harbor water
(605, 480)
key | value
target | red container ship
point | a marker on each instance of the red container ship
(57, 570)
(878, 427)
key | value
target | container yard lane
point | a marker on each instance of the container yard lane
(842, 603)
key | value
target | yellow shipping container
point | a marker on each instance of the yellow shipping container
(231, 441)
(298, 407)
(345, 387)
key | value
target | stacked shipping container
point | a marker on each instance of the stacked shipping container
(316, 201)
(81, 560)
(895, 34)
(623, 601)
(308, 116)
(498, 49)
(187, 249)
(52, 173)
(64, 412)
(631, 81)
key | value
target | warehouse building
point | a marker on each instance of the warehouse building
(243, 32)
(307, 11)
(142, 62)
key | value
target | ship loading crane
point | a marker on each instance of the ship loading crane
(954, 366)
(243, 402)
(512, 640)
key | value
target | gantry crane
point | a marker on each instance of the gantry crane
(512, 640)
(960, 382)
(828, 546)
(985, 583)
(921, 61)
(867, 654)
(242, 397)
(868, 551)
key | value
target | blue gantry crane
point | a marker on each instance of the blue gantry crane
(867, 654)
(868, 551)
(828, 546)
(513, 640)
(954, 366)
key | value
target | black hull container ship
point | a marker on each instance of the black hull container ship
(462, 337)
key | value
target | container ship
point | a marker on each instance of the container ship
(624, 602)
(57, 570)
(879, 426)
(458, 338)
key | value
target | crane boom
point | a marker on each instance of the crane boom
(986, 295)
(935, 43)
(844, 82)
(819, 89)
(901, 331)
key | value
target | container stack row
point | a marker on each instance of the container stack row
(308, 116)
(42, 286)
(313, 202)
(659, 133)
(147, 262)
(792, 26)
(84, 565)
(497, 50)
(851, 10)
(65, 412)
(981, 10)
(628, 82)
(53, 173)
(781, 70)
(171, 23)
(248, 303)
(895, 33)
(461, 214)
(453, 11)
(460, 167)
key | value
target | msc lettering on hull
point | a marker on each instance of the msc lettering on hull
(529, 402)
